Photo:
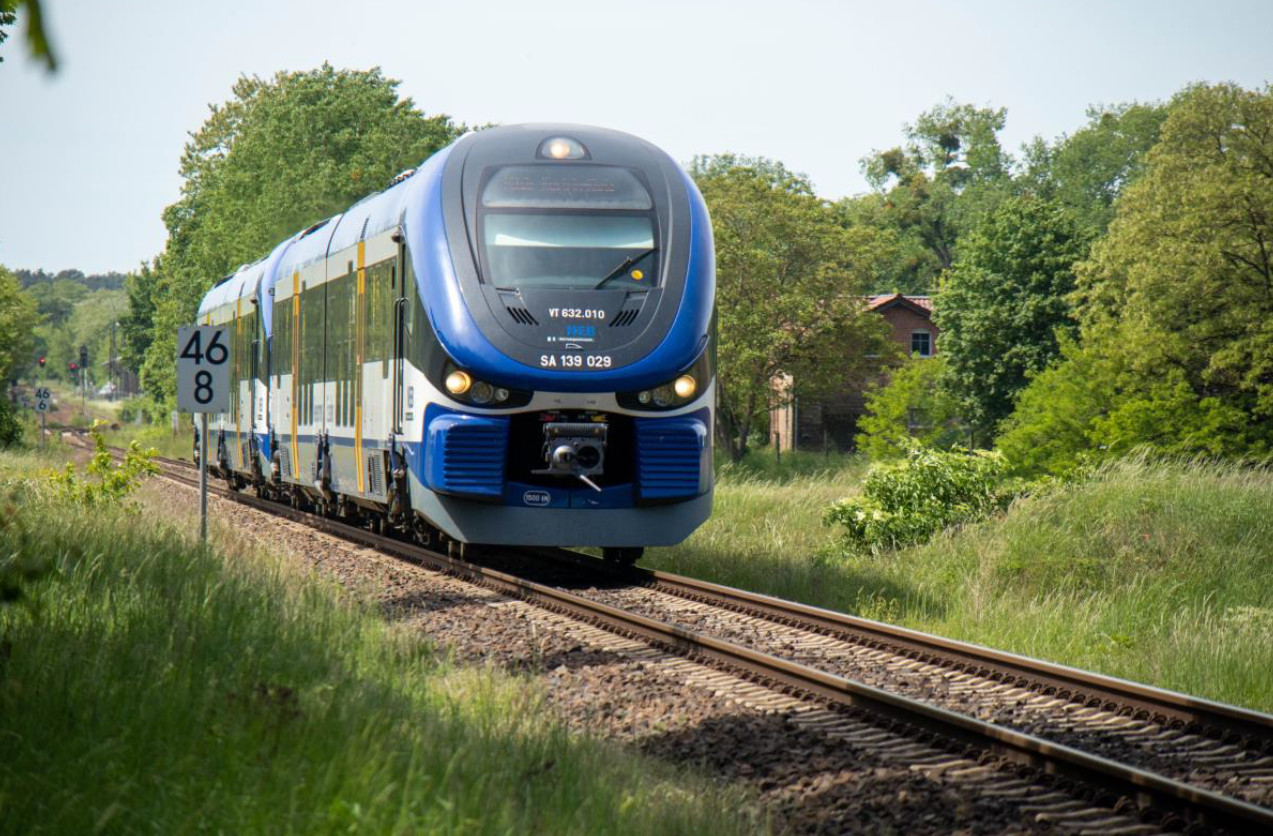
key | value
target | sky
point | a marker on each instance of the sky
(89, 155)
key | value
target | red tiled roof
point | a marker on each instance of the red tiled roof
(880, 300)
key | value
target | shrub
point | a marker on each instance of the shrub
(113, 483)
(912, 407)
(10, 426)
(906, 502)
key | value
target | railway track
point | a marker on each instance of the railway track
(1095, 792)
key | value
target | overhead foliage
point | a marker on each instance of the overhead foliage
(1003, 304)
(37, 37)
(789, 287)
(280, 155)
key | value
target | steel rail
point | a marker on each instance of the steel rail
(1072, 684)
(1102, 776)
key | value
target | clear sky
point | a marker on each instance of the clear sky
(88, 156)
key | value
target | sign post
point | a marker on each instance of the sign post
(43, 403)
(203, 386)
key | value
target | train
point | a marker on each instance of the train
(511, 345)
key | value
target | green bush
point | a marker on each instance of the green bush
(906, 502)
(10, 426)
(113, 484)
(912, 407)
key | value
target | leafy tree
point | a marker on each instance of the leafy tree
(18, 319)
(911, 408)
(1184, 280)
(950, 171)
(1087, 170)
(1175, 302)
(280, 155)
(1002, 305)
(789, 285)
(137, 325)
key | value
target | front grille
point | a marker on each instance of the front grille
(625, 317)
(522, 316)
(466, 454)
(670, 457)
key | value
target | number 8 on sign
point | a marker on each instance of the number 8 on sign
(203, 368)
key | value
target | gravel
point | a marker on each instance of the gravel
(806, 782)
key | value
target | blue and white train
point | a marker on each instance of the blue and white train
(512, 345)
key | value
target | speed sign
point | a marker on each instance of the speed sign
(203, 368)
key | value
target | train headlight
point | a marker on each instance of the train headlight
(664, 395)
(685, 387)
(501, 395)
(458, 382)
(482, 392)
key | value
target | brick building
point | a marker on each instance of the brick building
(813, 424)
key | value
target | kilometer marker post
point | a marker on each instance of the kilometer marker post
(203, 386)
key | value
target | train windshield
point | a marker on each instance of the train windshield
(579, 227)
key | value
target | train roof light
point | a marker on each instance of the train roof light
(562, 148)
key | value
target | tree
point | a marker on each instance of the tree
(951, 171)
(277, 157)
(790, 282)
(18, 319)
(911, 407)
(1087, 171)
(1184, 280)
(1175, 303)
(136, 326)
(1002, 305)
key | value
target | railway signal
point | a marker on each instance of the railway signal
(203, 386)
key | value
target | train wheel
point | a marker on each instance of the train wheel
(623, 555)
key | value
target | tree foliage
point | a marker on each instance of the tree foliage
(951, 170)
(137, 325)
(1002, 305)
(910, 407)
(1176, 302)
(280, 155)
(18, 318)
(790, 282)
(1086, 171)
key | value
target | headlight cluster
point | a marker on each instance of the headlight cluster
(669, 394)
(464, 387)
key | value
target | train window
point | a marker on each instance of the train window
(574, 250)
(565, 187)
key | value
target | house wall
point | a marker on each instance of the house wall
(809, 424)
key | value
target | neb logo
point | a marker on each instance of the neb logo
(537, 498)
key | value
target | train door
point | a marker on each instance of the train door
(398, 335)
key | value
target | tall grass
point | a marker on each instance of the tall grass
(150, 685)
(1158, 571)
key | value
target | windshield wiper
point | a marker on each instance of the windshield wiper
(630, 261)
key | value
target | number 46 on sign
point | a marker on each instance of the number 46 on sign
(203, 370)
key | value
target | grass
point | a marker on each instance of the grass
(1155, 571)
(147, 684)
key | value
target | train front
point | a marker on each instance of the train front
(568, 277)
